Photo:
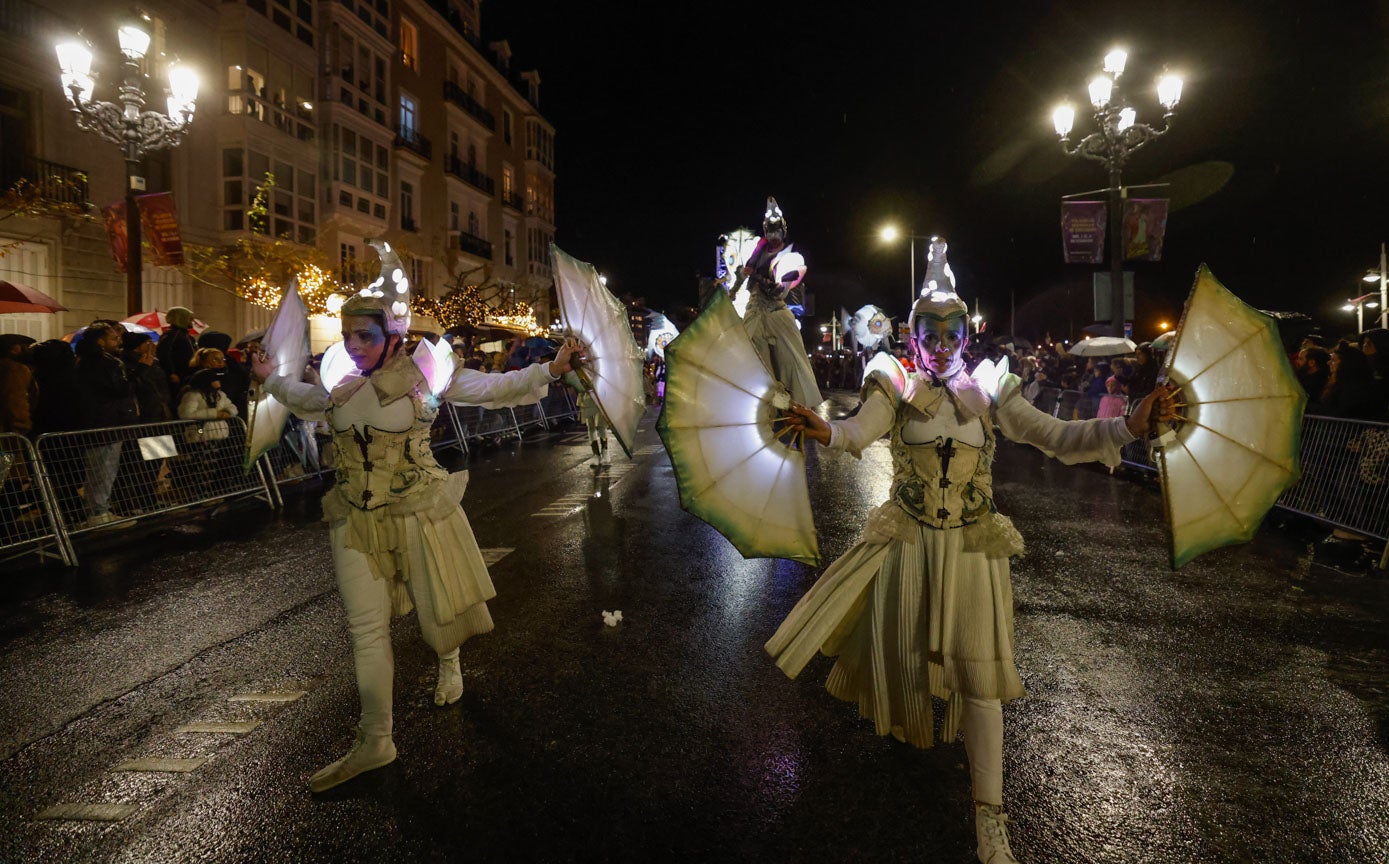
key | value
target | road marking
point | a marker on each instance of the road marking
(234, 728)
(492, 556)
(89, 812)
(177, 766)
(650, 450)
(269, 696)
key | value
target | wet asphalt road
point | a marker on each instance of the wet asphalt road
(1235, 711)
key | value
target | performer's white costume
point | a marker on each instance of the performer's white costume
(399, 537)
(922, 605)
(770, 324)
(592, 418)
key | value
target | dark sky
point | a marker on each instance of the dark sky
(674, 121)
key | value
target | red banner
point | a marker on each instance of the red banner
(1082, 231)
(115, 230)
(160, 221)
(1145, 225)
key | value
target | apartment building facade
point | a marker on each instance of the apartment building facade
(321, 97)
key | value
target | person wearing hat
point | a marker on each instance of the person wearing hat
(176, 346)
(398, 535)
(922, 605)
(236, 381)
(774, 273)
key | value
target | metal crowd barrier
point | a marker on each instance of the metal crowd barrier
(27, 521)
(1345, 475)
(115, 475)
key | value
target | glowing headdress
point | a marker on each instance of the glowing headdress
(938, 298)
(387, 297)
(773, 219)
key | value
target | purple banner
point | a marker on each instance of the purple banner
(1145, 225)
(1082, 231)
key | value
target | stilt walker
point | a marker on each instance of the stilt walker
(399, 538)
(922, 605)
(773, 274)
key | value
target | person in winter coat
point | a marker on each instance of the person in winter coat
(147, 378)
(176, 347)
(16, 385)
(107, 401)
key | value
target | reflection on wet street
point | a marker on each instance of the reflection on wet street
(1235, 710)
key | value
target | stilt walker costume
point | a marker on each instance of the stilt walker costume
(400, 540)
(922, 605)
(774, 270)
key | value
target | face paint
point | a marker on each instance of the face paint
(364, 340)
(939, 344)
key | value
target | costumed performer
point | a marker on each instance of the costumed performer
(922, 605)
(399, 537)
(774, 271)
(594, 421)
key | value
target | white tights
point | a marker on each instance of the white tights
(368, 603)
(982, 722)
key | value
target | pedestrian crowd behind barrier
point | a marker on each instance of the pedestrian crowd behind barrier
(66, 484)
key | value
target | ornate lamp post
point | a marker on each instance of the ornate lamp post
(128, 125)
(1118, 136)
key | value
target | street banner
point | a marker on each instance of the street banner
(160, 221)
(114, 217)
(1082, 231)
(1145, 225)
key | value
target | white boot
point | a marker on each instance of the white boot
(368, 753)
(991, 830)
(450, 687)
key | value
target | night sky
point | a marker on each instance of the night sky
(674, 122)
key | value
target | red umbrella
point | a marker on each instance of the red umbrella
(158, 321)
(22, 298)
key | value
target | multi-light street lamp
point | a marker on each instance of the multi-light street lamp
(1358, 305)
(1118, 136)
(1382, 277)
(127, 124)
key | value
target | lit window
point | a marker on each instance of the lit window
(409, 116)
(409, 44)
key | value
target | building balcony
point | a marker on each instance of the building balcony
(460, 97)
(297, 122)
(469, 174)
(412, 140)
(474, 245)
(54, 183)
(460, 24)
(514, 200)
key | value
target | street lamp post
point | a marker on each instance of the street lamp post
(1358, 306)
(1118, 136)
(890, 234)
(1382, 277)
(135, 130)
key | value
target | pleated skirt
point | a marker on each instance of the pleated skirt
(908, 621)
